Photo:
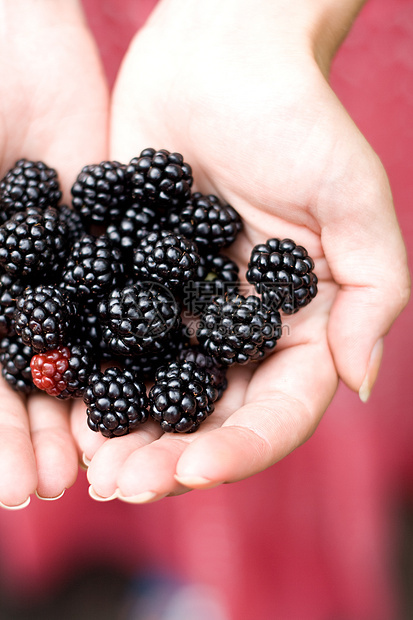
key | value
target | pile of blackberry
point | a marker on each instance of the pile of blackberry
(131, 284)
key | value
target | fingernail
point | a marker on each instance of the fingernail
(85, 460)
(50, 499)
(100, 498)
(193, 482)
(18, 507)
(372, 371)
(141, 498)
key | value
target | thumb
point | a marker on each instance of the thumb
(366, 255)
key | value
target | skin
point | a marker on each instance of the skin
(241, 89)
(53, 107)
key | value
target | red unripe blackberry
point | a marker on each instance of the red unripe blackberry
(160, 177)
(28, 184)
(282, 273)
(63, 372)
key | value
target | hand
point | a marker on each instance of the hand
(240, 89)
(54, 107)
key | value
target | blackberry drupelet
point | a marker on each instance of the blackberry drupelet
(139, 220)
(198, 357)
(135, 319)
(160, 177)
(93, 269)
(101, 192)
(145, 366)
(10, 289)
(43, 317)
(15, 359)
(33, 241)
(236, 330)
(72, 222)
(64, 372)
(28, 184)
(182, 397)
(167, 258)
(116, 402)
(207, 221)
(283, 273)
(216, 275)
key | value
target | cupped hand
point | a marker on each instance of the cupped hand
(54, 108)
(237, 88)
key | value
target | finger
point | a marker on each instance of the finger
(365, 251)
(18, 477)
(284, 403)
(156, 461)
(108, 460)
(53, 444)
(87, 441)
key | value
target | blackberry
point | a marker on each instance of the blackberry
(207, 221)
(10, 289)
(216, 275)
(237, 329)
(160, 177)
(116, 402)
(198, 357)
(283, 273)
(136, 318)
(182, 397)
(72, 223)
(33, 241)
(28, 184)
(93, 268)
(139, 220)
(145, 366)
(15, 359)
(43, 317)
(167, 258)
(100, 192)
(64, 372)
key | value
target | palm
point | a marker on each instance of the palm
(52, 96)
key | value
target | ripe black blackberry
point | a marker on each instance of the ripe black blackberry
(116, 402)
(160, 177)
(182, 397)
(33, 241)
(15, 359)
(145, 366)
(93, 268)
(64, 372)
(167, 258)
(139, 220)
(28, 184)
(10, 289)
(216, 275)
(135, 318)
(235, 329)
(283, 273)
(198, 357)
(100, 192)
(207, 221)
(43, 317)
